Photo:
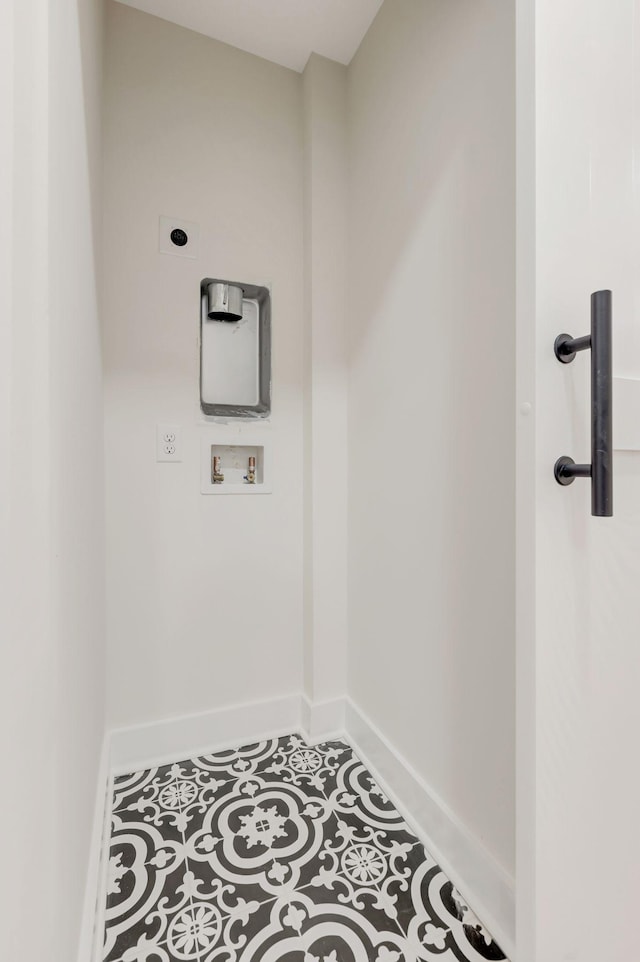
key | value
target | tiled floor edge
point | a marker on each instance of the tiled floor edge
(92, 921)
(100, 920)
(473, 870)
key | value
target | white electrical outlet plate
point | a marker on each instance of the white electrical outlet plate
(185, 240)
(168, 442)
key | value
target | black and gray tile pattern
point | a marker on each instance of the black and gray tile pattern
(276, 852)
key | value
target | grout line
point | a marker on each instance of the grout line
(356, 757)
(186, 862)
(340, 872)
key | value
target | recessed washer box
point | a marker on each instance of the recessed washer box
(235, 351)
(233, 453)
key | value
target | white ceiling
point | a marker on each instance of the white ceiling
(285, 31)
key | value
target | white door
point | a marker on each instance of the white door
(28, 681)
(578, 576)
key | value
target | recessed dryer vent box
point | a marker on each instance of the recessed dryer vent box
(235, 349)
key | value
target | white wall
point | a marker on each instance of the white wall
(204, 593)
(52, 494)
(206, 601)
(77, 449)
(325, 374)
(431, 395)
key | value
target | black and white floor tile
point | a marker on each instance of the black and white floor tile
(276, 852)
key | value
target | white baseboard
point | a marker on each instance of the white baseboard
(321, 720)
(172, 739)
(93, 892)
(489, 889)
(482, 881)
(103, 879)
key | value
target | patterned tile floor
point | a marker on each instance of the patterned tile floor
(277, 852)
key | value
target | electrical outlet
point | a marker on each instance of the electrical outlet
(168, 442)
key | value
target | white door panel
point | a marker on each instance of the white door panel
(580, 874)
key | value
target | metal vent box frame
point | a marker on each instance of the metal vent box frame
(235, 356)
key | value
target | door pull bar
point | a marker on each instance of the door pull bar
(601, 468)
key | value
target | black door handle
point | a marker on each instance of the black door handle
(601, 468)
